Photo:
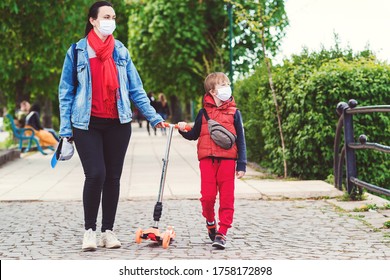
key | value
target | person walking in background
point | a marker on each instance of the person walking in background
(46, 138)
(153, 103)
(97, 117)
(138, 116)
(163, 110)
(218, 165)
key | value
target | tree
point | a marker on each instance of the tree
(34, 38)
(261, 23)
(176, 43)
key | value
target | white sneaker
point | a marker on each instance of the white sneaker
(89, 240)
(109, 240)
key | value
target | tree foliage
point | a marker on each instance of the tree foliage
(34, 38)
(259, 23)
(310, 86)
(253, 18)
(176, 43)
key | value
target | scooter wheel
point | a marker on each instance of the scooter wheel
(138, 234)
(166, 240)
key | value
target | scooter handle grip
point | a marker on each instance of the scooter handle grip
(187, 127)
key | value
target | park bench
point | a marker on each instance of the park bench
(24, 135)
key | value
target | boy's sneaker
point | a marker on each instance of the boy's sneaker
(219, 241)
(211, 228)
(89, 240)
(109, 240)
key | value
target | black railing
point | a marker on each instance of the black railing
(346, 153)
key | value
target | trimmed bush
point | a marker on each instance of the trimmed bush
(309, 87)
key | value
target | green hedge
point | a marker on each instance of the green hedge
(309, 87)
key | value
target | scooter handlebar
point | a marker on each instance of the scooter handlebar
(187, 127)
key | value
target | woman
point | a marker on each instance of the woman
(154, 104)
(163, 110)
(98, 117)
(22, 113)
(46, 138)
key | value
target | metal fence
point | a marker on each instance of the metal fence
(346, 154)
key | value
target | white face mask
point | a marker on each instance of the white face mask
(106, 27)
(224, 93)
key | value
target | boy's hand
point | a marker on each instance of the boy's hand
(182, 126)
(240, 174)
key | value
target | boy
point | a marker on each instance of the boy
(218, 165)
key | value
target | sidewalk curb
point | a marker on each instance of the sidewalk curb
(8, 155)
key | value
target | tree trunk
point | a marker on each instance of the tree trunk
(47, 114)
(20, 92)
(176, 113)
(271, 84)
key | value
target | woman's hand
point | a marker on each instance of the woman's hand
(160, 125)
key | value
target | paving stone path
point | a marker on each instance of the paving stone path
(273, 230)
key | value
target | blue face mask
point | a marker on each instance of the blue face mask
(224, 93)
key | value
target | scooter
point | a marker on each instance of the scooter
(165, 238)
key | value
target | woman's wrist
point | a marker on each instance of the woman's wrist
(68, 138)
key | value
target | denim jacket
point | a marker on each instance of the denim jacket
(75, 109)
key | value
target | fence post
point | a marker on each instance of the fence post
(350, 157)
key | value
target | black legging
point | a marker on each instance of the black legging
(102, 150)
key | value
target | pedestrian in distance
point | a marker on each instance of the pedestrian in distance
(163, 110)
(218, 165)
(153, 102)
(95, 113)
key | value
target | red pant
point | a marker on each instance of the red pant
(217, 175)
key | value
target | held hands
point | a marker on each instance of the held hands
(182, 126)
(240, 174)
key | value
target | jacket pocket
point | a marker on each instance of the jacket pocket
(121, 62)
(81, 67)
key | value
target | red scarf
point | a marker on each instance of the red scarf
(104, 52)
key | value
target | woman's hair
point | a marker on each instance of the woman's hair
(35, 107)
(162, 98)
(93, 13)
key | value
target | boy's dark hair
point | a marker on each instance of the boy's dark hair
(93, 13)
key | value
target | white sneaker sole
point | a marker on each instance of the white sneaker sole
(114, 246)
(89, 248)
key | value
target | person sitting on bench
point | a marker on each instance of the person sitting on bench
(46, 138)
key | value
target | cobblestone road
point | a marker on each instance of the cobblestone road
(274, 230)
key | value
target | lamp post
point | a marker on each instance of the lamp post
(229, 9)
